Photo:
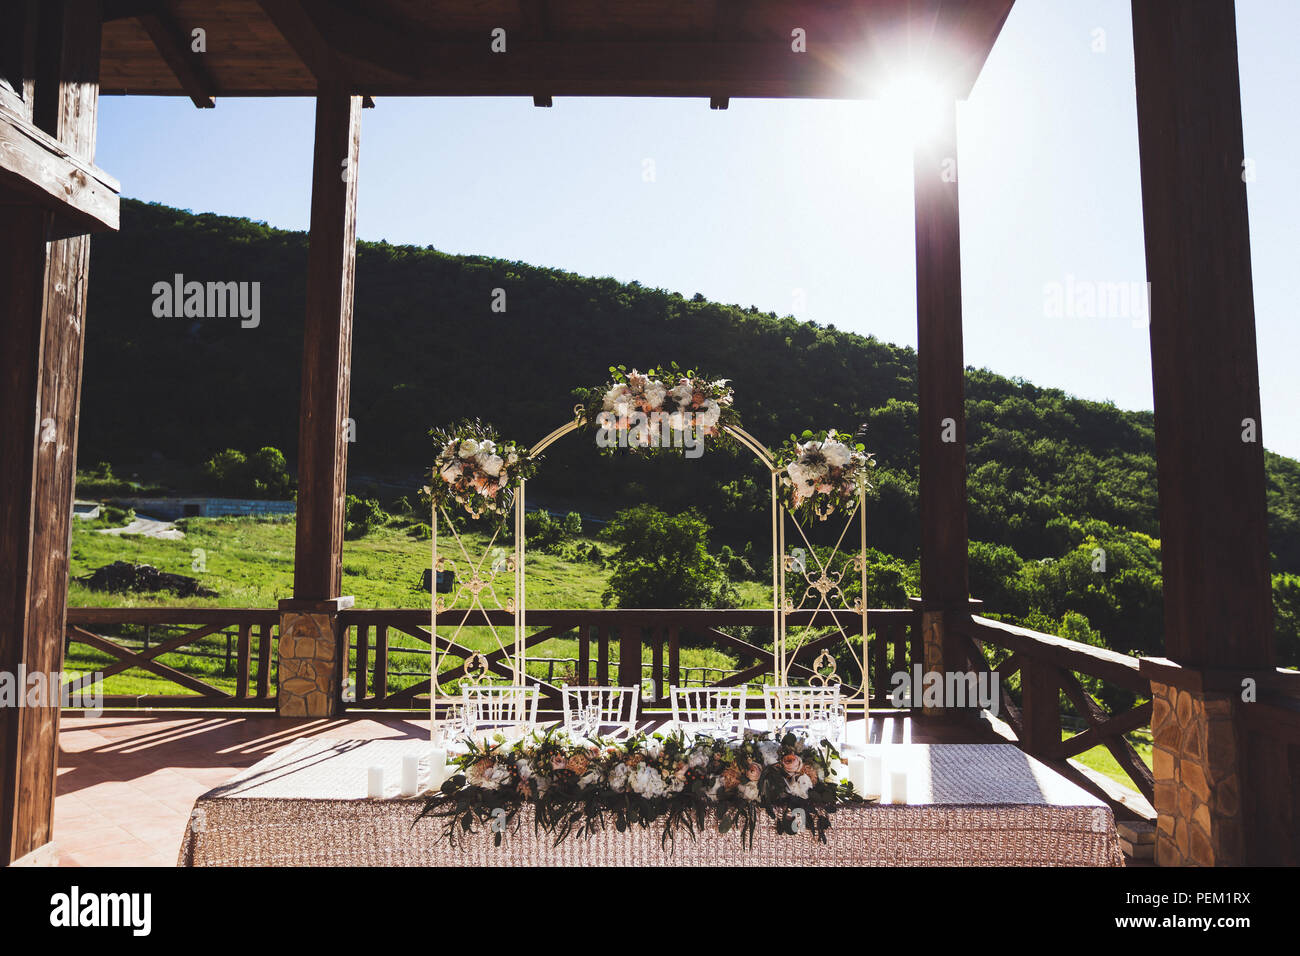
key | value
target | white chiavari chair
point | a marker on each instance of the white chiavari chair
(603, 711)
(488, 709)
(814, 710)
(712, 709)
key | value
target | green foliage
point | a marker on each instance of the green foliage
(362, 516)
(264, 474)
(1046, 470)
(663, 561)
(572, 525)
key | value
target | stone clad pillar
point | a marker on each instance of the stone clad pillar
(312, 658)
(1197, 779)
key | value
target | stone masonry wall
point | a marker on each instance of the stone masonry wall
(1197, 785)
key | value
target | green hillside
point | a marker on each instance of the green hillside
(1052, 478)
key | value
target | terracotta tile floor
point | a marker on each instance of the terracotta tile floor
(127, 782)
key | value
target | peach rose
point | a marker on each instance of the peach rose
(792, 764)
(753, 771)
(810, 769)
(578, 763)
(558, 762)
(731, 776)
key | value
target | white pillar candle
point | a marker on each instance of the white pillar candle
(898, 786)
(375, 782)
(872, 775)
(410, 774)
(858, 775)
(437, 766)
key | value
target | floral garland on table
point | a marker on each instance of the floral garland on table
(820, 472)
(476, 470)
(579, 786)
(652, 409)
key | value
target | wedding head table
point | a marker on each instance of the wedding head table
(966, 805)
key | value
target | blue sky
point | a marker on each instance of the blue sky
(798, 207)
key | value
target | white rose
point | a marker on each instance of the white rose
(698, 758)
(709, 413)
(451, 471)
(525, 769)
(468, 448)
(800, 785)
(769, 750)
(491, 464)
(681, 394)
(654, 394)
(837, 454)
(589, 779)
(748, 790)
(653, 748)
(618, 778)
(614, 396)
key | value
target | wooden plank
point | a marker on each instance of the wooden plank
(1040, 710)
(327, 347)
(264, 659)
(629, 655)
(183, 62)
(93, 616)
(35, 168)
(602, 662)
(940, 370)
(241, 673)
(1100, 662)
(657, 665)
(381, 663)
(43, 345)
(147, 660)
(363, 659)
(1123, 752)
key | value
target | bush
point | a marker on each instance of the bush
(572, 524)
(263, 475)
(420, 531)
(361, 516)
(663, 561)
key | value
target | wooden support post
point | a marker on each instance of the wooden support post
(1209, 445)
(43, 304)
(940, 385)
(327, 348)
(310, 672)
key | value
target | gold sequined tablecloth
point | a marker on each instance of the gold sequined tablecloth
(968, 805)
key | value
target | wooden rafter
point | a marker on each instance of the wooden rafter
(182, 61)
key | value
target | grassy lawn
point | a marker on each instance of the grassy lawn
(249, 563)
(1100, 759)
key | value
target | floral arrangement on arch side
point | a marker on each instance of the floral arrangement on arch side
(654, 408)
(579, 787)
(820, 472)
(475, 469)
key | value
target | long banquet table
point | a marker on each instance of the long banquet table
(968, 805)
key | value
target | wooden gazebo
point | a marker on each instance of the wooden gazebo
(1227, 769)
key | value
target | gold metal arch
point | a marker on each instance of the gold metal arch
(823, 586)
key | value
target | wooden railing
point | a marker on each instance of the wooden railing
(126, 634)
(1049, 667)
(610, 649)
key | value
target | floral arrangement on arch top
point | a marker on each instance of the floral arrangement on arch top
(653, 409)
(823, 471)
(476, 469)
(578, 786)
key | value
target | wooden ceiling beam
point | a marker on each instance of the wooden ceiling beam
(181, 60)
(299, 29)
